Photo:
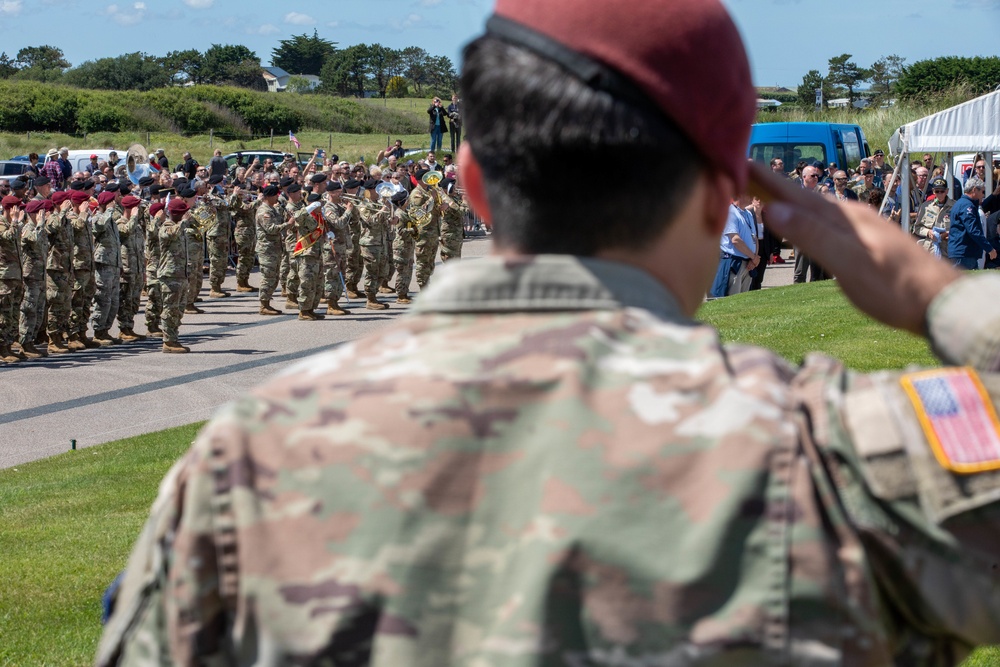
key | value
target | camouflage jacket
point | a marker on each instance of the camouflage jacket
(242, 212)
(932, 214)
(374, 226)
(338, 221)
(34, 248)
(132, 242)
(547, 463)
(304, 224)
(270, 229)
(107, 245)
(10, 249)
(151, 250)
(60, 232)
(83, 241)
(173, 260)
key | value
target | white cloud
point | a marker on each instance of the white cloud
(333, 24)
(139, 6)
(129, 16)
(410, 21)
(429, 3)
(199, 4)
(11, 7)
(266, 29)
(296, 18)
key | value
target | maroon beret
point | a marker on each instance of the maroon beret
(178, 206)
(105, 198)
(59, 197)
(129, 201)
(156, 208)
(36, 205)
(78, 196)
(684, 56)
(10, 201)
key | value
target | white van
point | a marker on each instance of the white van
(81, 158)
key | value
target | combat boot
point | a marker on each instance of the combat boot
(404, 299)
(7, 356)
(384, 289)
(29, 351)
(245, 287)
(192, 309)
(333, 308)
(352, 292)
(266, 309)
(375, 304)
(154, 331)
(128, 335)
(309, 315)
(56, 344)
(41, 338)
(75, 343)
(175, 347)
(102, 337)
(217, 293)
(89, 343)
(292, 304)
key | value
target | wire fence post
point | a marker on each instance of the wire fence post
(329, 148)
(272, 137)
(211, 138)
(147, 137)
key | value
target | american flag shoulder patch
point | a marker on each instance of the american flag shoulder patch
(957, 417)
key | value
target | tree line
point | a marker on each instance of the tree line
(357, 71)
(890, 77)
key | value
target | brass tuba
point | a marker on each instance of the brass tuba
(137, 163)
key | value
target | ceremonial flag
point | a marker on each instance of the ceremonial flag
(305, 242)
(291, 138)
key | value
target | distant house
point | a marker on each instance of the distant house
(765, 91)
(841, 103)
(276, 78)
(767, 104)
(313, 80)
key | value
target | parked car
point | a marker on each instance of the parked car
(79, 159)
(13, 167)
(825, 142)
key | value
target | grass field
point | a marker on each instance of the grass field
(67, 523)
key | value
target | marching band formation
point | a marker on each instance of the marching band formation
(71, 260)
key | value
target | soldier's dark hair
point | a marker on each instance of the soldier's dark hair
(529, 122)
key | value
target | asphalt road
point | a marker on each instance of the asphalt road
(96, 396)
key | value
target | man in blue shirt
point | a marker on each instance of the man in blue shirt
(966, 240)
(738, 251)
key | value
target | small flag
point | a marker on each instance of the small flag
(291, 138)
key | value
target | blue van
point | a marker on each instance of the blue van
(825, 142)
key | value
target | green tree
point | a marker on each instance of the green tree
(298, 84)
(846, 73)
(303, 54)
(346, 71)
(383, 64)
(441, 75)
(131, 71)
(41, 57)
(885, 72)
(228, 64)
(416, 68)
(397, 87)
(812, 81)
(185, 65)
(8, 66)
(928, 77)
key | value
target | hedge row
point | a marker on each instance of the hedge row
(33, 106)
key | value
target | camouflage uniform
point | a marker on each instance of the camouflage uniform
(196, 259)
(132, 240)
(154, 300)
(245, 237)
(107, 271)
(932, 214)
(59, 273)
(374, 226)
(402, 252)
(309, 262)
(270, 233)
(338, 220)
(84, 281)
(452, 228)
(428, 233)
(289, 264)
(34, 254)
(172, 274)
(578, 475)
(11, 284)
(354, 264)
(218, 243)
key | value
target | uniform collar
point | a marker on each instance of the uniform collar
(544, 283)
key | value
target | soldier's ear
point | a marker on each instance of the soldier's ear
(471, 177)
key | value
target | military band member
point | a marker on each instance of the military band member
(218, 239)
(402, 247)
(289, 265)
(271, 228)
(374, 224)
(453, 215)
(107, 268)
(354, 264)
(244, 235)
(172, 270)
(195, 237)
(337, 247)
(425, 205)
(310, 229)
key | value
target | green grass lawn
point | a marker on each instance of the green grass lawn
(67, 523)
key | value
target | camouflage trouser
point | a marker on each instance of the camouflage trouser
(373, 259)
(333, 288)
(292, 280)
(218, 260)
(172, 293)
(106, 297)
(195, 271)
(310, 281)
(426, 254)
(84, 289)
(31, 310)
(11, 293)
(352, 272)
(402, 259)
(451, 243)
(388, 267)
(154, 302)
(245, 239)
(59, 292)
(128, 302)
(269, 261)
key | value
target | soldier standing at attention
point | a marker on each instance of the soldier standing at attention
(374, 221)
(130, 231)
(154, 302)
(453, 211)
(402, 247)
(289, 265)
(425, 206)
(336, 248)
(245, 237)
(11, 283)
(34, 254)
(84, 280)
(218, 239)
(270, 241)
(354, 263)
(307, 252)
(195, 236)
(172, 271)
(107, 268)
(549, 462)
(59, 273)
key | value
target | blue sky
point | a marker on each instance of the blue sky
(785, 38)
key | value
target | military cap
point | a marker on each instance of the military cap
(879, 152)
(317, 178)
(421, 173)
(77, 185)
(285, 182)
(10, 201)
(187, 193)
(110, 187)
(294, 187)
(178, 206)
(146, 181)
(87, 184)
(18, 184)
(652, 56)
(271, 191)
(352, 183)
(41, 180)
(124, 187)
(130, 201)
(215, 180)
(399, 197)
(332, 186)
(105, 198)
(156, 207)
(939, 184)
(371, 183)
(154, 189)
(78, 196)
(59, 197)
(179, 183)
(867, 172)
(313, 197)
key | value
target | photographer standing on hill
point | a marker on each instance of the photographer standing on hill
(455, 126)
(438, 123)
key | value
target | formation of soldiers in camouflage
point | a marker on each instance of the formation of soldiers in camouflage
(76, 260)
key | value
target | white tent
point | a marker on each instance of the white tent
(972, 126)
